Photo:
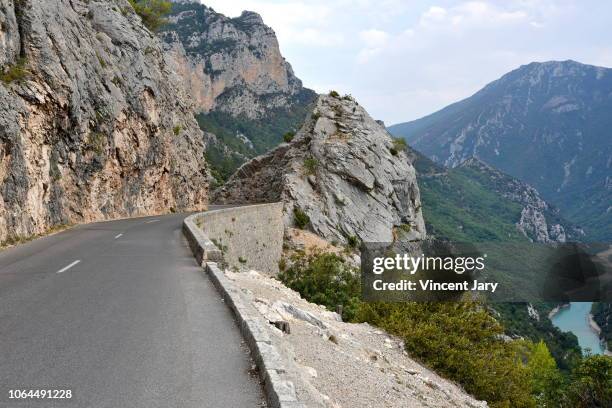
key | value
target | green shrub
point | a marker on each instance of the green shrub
(288, 137)
(117, 81)
(101, 60)
(352, 241)
(334, 94)
(459, 340)
(310, 165)
(152, 12)
(545, 376)
(591, 383)
(399, 145)
(403, 230)
(15, 73)
(97, 143)
(300, 218)
(325, 279)
(316, 116)
(177, 130)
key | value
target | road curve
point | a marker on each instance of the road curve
(120, 314)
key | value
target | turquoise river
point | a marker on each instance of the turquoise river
(575, 319)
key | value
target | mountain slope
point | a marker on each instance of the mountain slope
(93, 122)
(544, 123)
(246, 93)
(477, 203)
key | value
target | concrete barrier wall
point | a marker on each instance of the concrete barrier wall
(248, 237)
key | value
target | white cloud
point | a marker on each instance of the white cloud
(295, 22)
(468, 15)
(374, 38)
(435, 15)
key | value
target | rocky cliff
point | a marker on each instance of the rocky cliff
(245, 92)
(343, 172)
(233, 65)
(94, 124)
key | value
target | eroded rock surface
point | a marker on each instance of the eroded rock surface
(343, 171)
(94, 124)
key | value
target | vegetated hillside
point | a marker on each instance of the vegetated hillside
(602, 315)
(477, 203)
(93, 122)
(342, 177)
(246, 93)
(546, 124)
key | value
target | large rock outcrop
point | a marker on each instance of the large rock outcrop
(233, 65)
(94, 124)
(343, 171)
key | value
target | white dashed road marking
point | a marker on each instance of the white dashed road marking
(69, 266)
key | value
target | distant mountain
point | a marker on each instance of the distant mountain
(548, 124)
(246, 93)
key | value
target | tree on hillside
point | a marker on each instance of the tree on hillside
(152, 12)
(546, 379)
(591, 383)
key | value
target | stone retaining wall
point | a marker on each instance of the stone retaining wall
(248, 236)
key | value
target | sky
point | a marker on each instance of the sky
(404, 59)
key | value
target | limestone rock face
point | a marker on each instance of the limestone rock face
(343, 171)
(233, 65)
(9, 33)
(97, 125)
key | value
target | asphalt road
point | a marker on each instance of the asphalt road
(120, 314)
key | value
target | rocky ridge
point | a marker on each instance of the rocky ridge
(94, 124)
(343, 172)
